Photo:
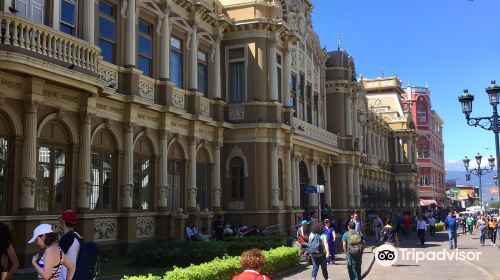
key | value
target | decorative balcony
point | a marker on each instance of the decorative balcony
(147, 87)
(108, 74)
(315, 133)
(178, 98)
(205, 104)
(30, 37)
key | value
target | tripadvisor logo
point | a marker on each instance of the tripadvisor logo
(387, 255)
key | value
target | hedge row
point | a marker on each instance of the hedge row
(181, 253)
(226, 267)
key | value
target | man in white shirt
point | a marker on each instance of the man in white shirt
(191, 232)
(69, 242)
(432, 226)
(421, 230)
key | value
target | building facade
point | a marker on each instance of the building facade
(144, 114)
(430, 147)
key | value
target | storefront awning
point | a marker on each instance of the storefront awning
(427, 202)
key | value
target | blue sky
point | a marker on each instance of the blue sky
(448, 44)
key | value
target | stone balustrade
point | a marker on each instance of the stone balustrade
(205, 104)
(179, 98)
(108, 74)
(38, 38)
(146, 87)
(316, 133)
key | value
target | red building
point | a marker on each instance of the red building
(430, 148)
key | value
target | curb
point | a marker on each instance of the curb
(364, 274)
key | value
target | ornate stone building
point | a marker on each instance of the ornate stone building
(142, 114)
(430, 147)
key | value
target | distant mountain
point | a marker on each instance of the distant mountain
(487, 181)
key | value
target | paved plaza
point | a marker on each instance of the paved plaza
(486, 267)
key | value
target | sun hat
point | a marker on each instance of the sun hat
(39, 230)
(69, 216)
(304, 222)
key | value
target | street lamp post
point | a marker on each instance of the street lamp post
(479, 172)
(487, 123)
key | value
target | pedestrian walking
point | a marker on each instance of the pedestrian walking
(70, 240)
(421, 230)
(481, 229)
(319, 250)
(330, 236)
(432, 226)
(8, 258)
(407, 225)
(377, 226)
(49, 260)
(470, 224)
(252, 262)
(389, 235)
(218, 228)
(353, 244)
(451, 222)
(463, 223)
(492, 226)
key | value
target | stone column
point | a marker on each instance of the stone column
(192, 189)
(217, 69)
(28, 175)
(84, 168)
(216, 178)
(163, 188)
(286, 75)
(293, 181)
(56, 14)
(193, 59)
(275, 188)
(355, 119)
(130, 38)
(313, 197)
(350, 188)
(128, 167)
(356, 187)
(348, 114)
(165, 46)
(288, 179)
(88, 21)
(328, 187)
(396, 150)
(273, 70)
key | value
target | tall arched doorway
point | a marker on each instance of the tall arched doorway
(304, 181)
(176, 177)
(203, 179)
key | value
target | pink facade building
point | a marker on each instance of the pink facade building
(430, 148)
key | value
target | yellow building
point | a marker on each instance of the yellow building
(143, 114)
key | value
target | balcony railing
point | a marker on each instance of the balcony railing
(316, 133)
(20, 32)
(205, 106)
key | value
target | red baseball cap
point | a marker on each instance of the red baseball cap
(69, 216)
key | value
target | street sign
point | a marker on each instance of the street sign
(313, 188)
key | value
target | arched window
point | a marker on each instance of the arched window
(5, 162)
(103, 168)
(51, 188)
(143, 175)
(203, 179)
(304, 180)
(176, 177)
(237, 175)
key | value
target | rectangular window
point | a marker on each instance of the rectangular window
(176, 62)
(293, 92)
(236, 75)
(316, 108)
(51, 188)
(309, 103)
(202, 73)
(421, 116)
(301, 108)
(145, 47)
(68, 16)
(280, 78)
(107, 31)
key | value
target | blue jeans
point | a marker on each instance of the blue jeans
(482, 236)
(354, 266)
(317, 262)
(452, 237)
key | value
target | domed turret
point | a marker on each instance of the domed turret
(340, 65)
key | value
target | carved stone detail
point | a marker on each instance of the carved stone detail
(205, 107)
(108, 76)
(236, 205)
(56, 226)
(236, 113)
(178, 99)
(145, 227)
(146, 89)
(105, 229)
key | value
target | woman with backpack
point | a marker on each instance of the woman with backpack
(7, 254)
(49, 261)
(319, 250)
(388, 235)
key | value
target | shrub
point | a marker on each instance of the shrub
(226, 267)
(439, 226)
(182, 254)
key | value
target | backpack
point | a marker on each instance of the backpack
(354, 244)
(316, 246)
(87, 264)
